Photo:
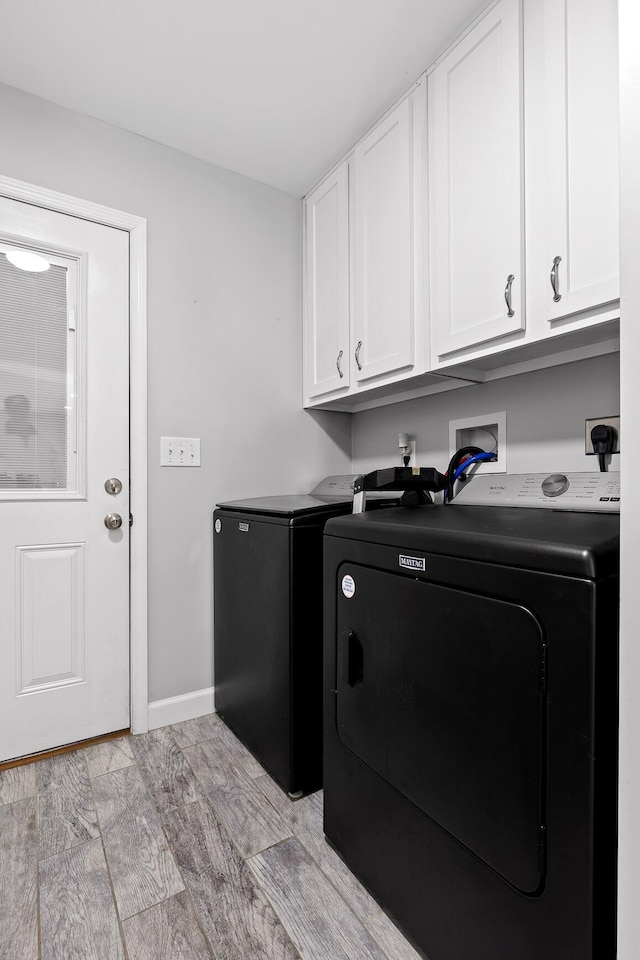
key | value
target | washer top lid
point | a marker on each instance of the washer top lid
(570, 543)
(292, 505)
(326, 496)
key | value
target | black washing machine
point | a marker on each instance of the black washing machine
(470, 741)
(268, 625)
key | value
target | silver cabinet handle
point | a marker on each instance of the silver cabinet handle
(553, 277)
(338, 364)
(357, 354)
(507, 295)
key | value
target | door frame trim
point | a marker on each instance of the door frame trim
(137, 229)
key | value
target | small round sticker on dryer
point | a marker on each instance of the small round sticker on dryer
(218, 525)
(348, 586)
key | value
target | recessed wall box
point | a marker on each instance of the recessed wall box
(487, 431)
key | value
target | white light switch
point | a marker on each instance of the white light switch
(179, 451)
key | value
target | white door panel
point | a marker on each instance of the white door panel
(64, 578)
(327, 285)
(581, 136)
(476, 184)
(384, 309)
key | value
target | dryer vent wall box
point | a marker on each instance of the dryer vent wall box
(470, 732)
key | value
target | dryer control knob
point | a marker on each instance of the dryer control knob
(555, 485)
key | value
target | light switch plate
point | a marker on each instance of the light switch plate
(179, 451)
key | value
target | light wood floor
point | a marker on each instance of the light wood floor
(174, 845)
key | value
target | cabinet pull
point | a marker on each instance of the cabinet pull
(338, 364)
(553, 277)
(507, 295)
(357, 354)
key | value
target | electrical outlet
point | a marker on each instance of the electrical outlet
(407, 447)
(489, 432)
(411, 452)
(179, 451)
(607, 422)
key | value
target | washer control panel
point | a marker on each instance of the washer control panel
(598, 492)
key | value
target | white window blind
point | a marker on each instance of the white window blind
(34, 409)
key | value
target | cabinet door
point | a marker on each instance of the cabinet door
(580, 42)
(382, 339)
(327, 285)
(476, 185)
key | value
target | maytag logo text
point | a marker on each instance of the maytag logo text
(412, 563)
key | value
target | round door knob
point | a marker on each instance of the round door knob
(113, 486)
(113, 521)
(555, 484)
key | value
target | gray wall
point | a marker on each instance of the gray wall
(545, 411)
(224, 348)
(225, 361)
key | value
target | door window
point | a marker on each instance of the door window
(38, 374)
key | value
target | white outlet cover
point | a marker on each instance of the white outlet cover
(179, 451)
(471, 423)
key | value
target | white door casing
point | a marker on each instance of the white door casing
(64, 619)
(477, 219)
(137, 229)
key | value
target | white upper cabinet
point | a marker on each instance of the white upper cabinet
(384, 218)
(327, 285)
(499, 166)
(476, 185)
(573, 160)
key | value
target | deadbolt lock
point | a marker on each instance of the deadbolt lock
(113, 486)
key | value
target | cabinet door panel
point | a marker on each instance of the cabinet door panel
(327, 285)
(476, 184)
(581, 169)
(383, 247)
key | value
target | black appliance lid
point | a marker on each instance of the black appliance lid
(292, 505)
(570, 543)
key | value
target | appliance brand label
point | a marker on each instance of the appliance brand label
(348, 586)
(243, 527)
(412, 563)
(218, 525)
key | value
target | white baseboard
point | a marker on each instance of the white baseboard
(185, 707)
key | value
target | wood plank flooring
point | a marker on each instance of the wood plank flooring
(175, 845)
(77, 912)
(18, 880)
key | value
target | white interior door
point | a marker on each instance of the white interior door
(64, 431)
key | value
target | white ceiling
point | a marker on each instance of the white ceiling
(277, 90)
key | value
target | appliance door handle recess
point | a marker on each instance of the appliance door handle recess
(352, 659)
(507, 295)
